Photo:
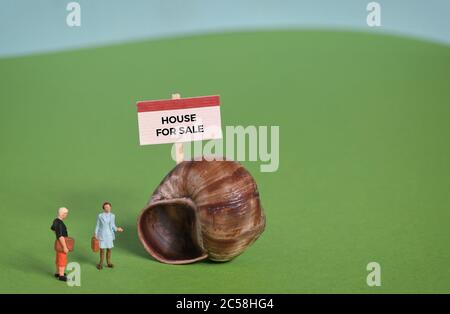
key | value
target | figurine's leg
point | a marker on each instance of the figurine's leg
(57, 266)
(100, 265)
(61, 262)
(108, 258)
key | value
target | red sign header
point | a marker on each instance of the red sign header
(174, 104)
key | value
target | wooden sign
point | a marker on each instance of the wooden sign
(179, 120)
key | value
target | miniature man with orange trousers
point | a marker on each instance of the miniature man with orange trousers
(60, 230)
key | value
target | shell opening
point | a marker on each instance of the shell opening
(171, 232)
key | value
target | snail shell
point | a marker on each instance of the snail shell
(202, 209)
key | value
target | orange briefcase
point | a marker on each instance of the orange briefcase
(95, 246)
(70, 242)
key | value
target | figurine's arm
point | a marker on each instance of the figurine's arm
(97, 226)
(63, 243)
(113, 223)
(61, 239)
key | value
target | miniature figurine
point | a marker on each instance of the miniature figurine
(105, 233)
(61, 245)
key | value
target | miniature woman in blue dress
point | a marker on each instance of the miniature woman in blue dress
(105, 233)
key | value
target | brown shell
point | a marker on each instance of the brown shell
(202, 209)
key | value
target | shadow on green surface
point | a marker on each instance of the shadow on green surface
(129, 242)
(32, 265)
(81, 256)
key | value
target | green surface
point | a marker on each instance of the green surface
(364, 160)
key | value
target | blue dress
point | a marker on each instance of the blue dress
(105, 230)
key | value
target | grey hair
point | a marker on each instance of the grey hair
(62, 210)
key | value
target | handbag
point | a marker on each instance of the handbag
(70, 243)
(95, 245)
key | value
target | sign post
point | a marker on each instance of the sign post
(179, 153)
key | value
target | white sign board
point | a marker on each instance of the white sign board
(179, 120)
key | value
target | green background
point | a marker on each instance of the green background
(364, 160)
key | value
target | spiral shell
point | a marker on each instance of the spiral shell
(202, 209)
